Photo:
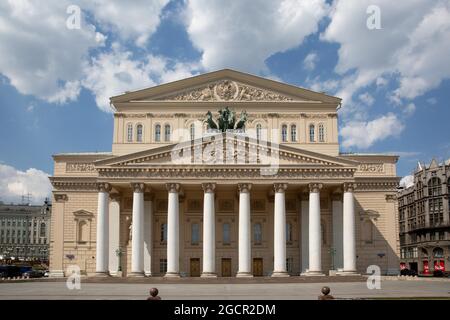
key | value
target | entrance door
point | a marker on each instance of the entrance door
(195, 267)
(257, 267)
(226, 267)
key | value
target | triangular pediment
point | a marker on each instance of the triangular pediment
(227, 150)
(224, 86)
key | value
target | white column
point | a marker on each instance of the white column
(114, 233)
(137, 231)
(148, 217)
(336, 207)
(245, 249)
(315, 234)
(305, 233)
(279, 238)
(173, 250)
(209, 232)
(349, 227)
(102, 253)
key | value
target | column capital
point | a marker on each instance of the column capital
(61, 197)
(315, 187)
(173, 187)
(209, 187)
(244, 187)
(138, 187)
(104, 187)
(349, 186)
(280, 187)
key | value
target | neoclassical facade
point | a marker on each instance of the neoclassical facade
(179, 197)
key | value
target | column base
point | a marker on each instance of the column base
(56, 274)
(313, 274)
(244, 275)
(148, 273)
(348, 273)
(172, 275)
(208, 275)
(138, 274)
(280, 274)
(101, 274)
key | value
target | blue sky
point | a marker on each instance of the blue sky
(55, 81)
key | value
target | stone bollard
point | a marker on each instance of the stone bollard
(326, 294)
(154, 294)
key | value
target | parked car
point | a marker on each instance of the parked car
(33, 274)
(47, 273)
(408, 272)
(10, 271)
(438, 273)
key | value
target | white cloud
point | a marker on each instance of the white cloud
(243, 34)
(15, 183)
(363, 134)
(136, 20)
(407, 181)
(39, 55)
(309, 63)
(409, 109)
(115, 72)
(366, 98)
(413, 44)
(432, 100)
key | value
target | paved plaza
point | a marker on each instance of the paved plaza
(223, 291)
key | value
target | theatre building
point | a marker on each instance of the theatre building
(224, 174)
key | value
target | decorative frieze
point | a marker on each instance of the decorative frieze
(80, 167)
(227, 90)
(371, 167)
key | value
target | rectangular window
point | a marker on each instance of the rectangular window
(163, 265)
(195, 234)
(226, 234)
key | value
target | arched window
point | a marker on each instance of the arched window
(321, 133)
(258, 131)
(167, 132)
(434, 187)
(288, 232)
(130, 132)
(192, 131)
(195, 234)
(163, 232)
(284, 133)
(82, 232)
(226, 237)
(139, 130)
(42, 230)
(293, 133)
(438, 253)
(158, 133)
(257, 233)
(311, 133)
